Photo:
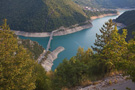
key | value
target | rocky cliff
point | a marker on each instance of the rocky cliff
(48, 62)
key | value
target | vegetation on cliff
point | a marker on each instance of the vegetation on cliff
(32, 46)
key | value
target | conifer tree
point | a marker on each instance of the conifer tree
(84, 56)
(114, 50)
(80, 53)
(110, 46)
(128, 64)
(16, 65)
(104, 37)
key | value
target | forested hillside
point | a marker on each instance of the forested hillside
(107, 3)
(18, 71)
(40, 15)
(44, 15)
(127, 18)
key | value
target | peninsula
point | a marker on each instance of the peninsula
(48, 62)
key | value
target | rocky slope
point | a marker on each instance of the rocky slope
(32, 46)
(47, 63)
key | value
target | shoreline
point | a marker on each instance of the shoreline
(62, 30)
(58, 32)
(120, 25)
(125, 9)
(48, 62)
(103, 15)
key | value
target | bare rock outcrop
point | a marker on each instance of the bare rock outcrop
(48, 63)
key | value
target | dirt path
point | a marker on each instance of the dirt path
(117, 82)
(121, 86)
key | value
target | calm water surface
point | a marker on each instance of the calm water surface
(71, 42)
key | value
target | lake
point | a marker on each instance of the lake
(71, 42)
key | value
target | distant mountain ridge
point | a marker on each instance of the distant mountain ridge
(128, 18)
(107, 3)
(40, 15)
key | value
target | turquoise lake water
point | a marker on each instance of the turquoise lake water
(71, 42)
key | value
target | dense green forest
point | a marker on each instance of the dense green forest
(40, 15)
(107, 3)
(43, 15)
(19, 71)
(128, 18)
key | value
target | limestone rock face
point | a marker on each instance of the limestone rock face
(48, 63)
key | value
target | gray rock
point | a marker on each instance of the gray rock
(48, 63)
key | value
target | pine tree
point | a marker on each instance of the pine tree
(128, 64)
(84, 56)
(80, 53)
(104, 37)
(16, 65)
(110, 46)
(114, 50)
